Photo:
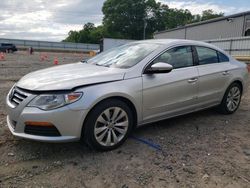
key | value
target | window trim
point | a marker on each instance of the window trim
(217, 53)
(224, 55)
(171, 47)
(207, 48)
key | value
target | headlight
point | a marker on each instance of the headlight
(50, 101)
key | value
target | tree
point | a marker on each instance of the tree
(207, 15)
(73, 36)
(210, 14)
(89, 34)
(173, 18)
(127, 18)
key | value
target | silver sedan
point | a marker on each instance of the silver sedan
(102, 99)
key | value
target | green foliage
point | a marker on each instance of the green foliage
(173, 18)
(89, 34)
(210, 14)
(207, 15)
(127, 19)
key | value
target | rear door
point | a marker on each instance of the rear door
(170, 94)
(214, 72)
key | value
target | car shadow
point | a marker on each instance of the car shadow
(149, 132)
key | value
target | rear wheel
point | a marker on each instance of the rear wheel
(108, 125)
(231, 100)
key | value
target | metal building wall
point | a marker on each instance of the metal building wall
(225, 28)
(216, 30)
(174, 34)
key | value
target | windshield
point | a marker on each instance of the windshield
(124, 56)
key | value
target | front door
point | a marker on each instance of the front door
(169, 94)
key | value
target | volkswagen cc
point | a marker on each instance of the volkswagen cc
(102, 99)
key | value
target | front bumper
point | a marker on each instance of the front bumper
(56, 139)
(67, 121)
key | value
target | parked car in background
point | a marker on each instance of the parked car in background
(102, 99)
(7, 47)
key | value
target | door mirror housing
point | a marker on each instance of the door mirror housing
(158, 68)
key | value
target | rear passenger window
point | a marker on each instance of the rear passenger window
(207, 55)
(178, 57)
(222, 57)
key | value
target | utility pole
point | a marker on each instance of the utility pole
(144, 28)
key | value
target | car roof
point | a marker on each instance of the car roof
(173, 42)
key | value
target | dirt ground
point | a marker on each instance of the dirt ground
(203, 149)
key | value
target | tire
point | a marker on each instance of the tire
(231, 100)
(104, 132)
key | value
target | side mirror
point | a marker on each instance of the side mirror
(159, 68)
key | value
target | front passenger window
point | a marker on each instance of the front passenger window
(178, 57)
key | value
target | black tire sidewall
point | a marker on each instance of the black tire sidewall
(89, 125)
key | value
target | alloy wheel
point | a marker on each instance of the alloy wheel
(111, 126)
(233, 99)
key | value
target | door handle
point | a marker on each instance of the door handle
(225, 73)
(192, 80)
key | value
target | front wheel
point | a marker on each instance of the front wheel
(108, 125)
(231, 100)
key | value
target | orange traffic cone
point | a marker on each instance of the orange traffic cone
(2, 58)
(46, 58)
(56, 62)
(42, 57)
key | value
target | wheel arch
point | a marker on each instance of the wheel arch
(240, 84)
(238, 81)
(222, 107)
(130, 104)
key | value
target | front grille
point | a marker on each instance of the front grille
(42, 130)
(17, 96)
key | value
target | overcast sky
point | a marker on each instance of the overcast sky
(52, 20)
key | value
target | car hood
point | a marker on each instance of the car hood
(67, 77)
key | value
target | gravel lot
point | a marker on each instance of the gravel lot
(203, 149)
